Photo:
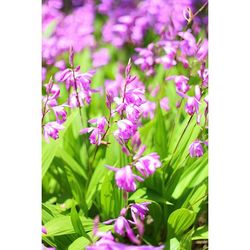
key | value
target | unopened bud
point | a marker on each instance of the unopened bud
(128, 67)
(188, 14)
(71, 56)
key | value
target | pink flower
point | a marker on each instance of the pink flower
(52, 90)
(136, 141)
(203, 74)
(139, 210)
(148, 109)
(51, 129)
(165, 103)
(44, 230)
(60, 114)
(107, 241)
(47, 248)
(188, 44)
(195, 149)
(125, 179)
(97, 132)
(100, 57)
(202, 51)
(134, 95)
(181, 84)
(192, 105)
(168, 60)
(146, 59)
(148, 164)
(80, 82)
(122, 227)
(126, 129)
(133, 113)
(44, 71)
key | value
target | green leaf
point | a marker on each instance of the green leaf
(194, 174)
(143, 194)
(76, 189)
(172, 244)
(77, 224)
(62, 225)
(72, 164)
(160, 135)
(186, 241)
(201, 233)
(48, 154)
(179, 221)
(107, 195)
(79, 244)
(96, 179)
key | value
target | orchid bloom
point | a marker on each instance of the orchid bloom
(125, 179)
(196, 149)
(51, 129)
(148, 164)
(97, 132)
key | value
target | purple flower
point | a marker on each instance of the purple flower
(74, 29)
(192, 105)
(165, 103)
(61, 65)
(107, 242)
(125, 179)
(47, 248)
(51, 129)
(139, 210)
(203, 74)
(146, 59)
(133, 113)
(168, 60)
(181, 84)
(44, 71)
(188, 44)
(136, 141)
(80, 82)
(100, 57)
(148, 109)
(122, 227)
(44, 230)
(195, 149)
(57, 4)
(126, 129)
(147, 165)
(60, 114)
(52, 90)
(98, 131)
(202, 51)
(134, 95)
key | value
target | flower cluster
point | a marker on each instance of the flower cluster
(79, 90)
(124, 227)
(146, 166)
(51, 129)
(75, 29)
